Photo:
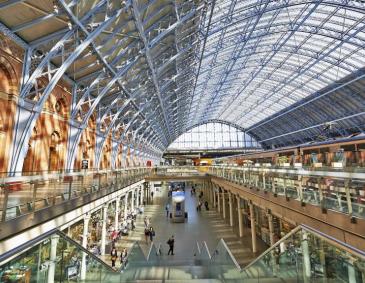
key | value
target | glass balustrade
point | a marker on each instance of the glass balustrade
(306, 255)
(342, 194)
(23, 195)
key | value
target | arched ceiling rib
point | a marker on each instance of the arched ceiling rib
(171, 65)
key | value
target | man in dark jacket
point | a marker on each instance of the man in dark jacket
(171, 243)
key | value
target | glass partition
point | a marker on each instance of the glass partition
(306, 255)
(55, 258)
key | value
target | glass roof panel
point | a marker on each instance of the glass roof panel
(262, 58)
(214, 136)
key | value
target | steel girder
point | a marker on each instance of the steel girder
(29, 111)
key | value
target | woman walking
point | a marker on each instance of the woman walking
(114, 256)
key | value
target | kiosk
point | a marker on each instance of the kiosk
(178, 213)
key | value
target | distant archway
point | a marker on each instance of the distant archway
(8, 81)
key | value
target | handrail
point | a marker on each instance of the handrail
(124, 264)
(230, 254)
(198, 247)
(207, 249)
(335, 242)
(4, 258)
(61, 234)
(339, 244)
(296, 229)
(18, 249)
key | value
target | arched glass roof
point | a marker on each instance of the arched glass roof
(147, 71)
(214, 136)
(263, 56)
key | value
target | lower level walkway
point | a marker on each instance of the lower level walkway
(201, 226)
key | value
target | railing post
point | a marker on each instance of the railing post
(34, 197)
(321, 198)
(5, 187)
(348, 198)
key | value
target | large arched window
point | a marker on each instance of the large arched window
(214, 136)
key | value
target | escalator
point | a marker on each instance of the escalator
(304, 255)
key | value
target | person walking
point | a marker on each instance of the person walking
(206, 205)
(113, 255)
(151, 234)
(146, 233)
(171, 243)
(167, 208)
(123, 257)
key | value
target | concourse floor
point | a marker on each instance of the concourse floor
(206, 226)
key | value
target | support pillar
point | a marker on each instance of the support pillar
(117, 210)
(306, 258)
(137, 197)
(351, 272)
(271, 229)
(219, 202)
(126, 205)
(103, 229)
(240, 220)
(230, 208)
(142, 194)
(132, 200)
(224, 204)
(253, 228)
(84, 244)
(214, 198)
(52, 259)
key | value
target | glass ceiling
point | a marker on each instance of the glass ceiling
(263, 56)
(147, 71)
(214, 136)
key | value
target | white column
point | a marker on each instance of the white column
(132, 200)
(230, 209)
(253, 228)
(126, 205)
(103, 229)
(271, 229)
(137, 197)
(52, 259)
(117, 210)
(306, 257)
(84, 244)
(351, 272)
(214, 198)
(142, 194)
(240, 220)
(224, 204)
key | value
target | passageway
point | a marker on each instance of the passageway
(201, 226)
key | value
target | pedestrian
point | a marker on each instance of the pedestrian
(151, 234)
(151, 195)
(114, 256)
(206, 205)
(145, 222)
(171, 243)
(132, 224)
(167, 208)
(123, 257)
(146, 233)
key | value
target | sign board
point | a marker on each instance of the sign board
(85, 164)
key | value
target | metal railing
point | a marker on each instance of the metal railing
(26, 194)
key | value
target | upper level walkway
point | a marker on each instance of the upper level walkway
(329, 196)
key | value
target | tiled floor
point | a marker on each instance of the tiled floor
(200, 226)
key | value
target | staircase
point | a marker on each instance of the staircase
(53, 257)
